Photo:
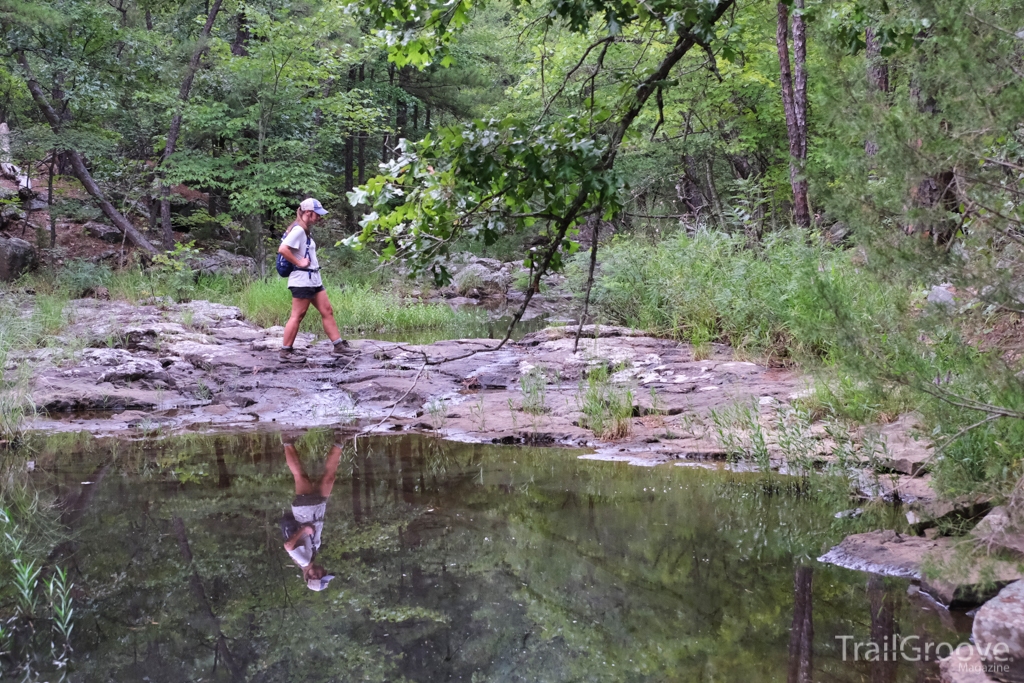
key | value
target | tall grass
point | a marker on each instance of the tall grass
(763, 299)
(364, 300)
(357, 308)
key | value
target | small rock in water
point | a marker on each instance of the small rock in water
(856, 512)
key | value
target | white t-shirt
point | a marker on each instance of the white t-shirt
(314, 516)
(296, 240)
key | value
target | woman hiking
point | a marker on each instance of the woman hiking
(299, 249)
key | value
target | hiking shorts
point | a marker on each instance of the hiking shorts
(305, 292)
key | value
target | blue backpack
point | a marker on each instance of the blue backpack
(284, 266)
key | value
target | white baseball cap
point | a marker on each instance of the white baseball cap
(311, 204)
(321, 583)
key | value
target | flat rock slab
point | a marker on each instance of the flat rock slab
(889, 553)
(198, 364)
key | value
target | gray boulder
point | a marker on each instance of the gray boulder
(223, 262)
(942, 296)
(999, 634)
(102, 231)
(16, 257)
(475, 276)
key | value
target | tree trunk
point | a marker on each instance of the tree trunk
(883, 627)
(362, 137)
(878, 78)
(387, 136)
(79, 167)
(934, 197)
(357, 492)
(350, 153)
(238, 45)
(175, 129)
(401, 105)
(794, 103)
(49, 200)
(801, 634)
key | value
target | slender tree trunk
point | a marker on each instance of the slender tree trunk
(883, 627)
(49, 200)
(79, 167)
(387, 136)
(175, 129)
(402, 105)
(368, 486)
(350, 151)
(357, 491)
(878, 78)
(801, 635)
(716, 202)
(362, 137)
(794, 103)
(934, 197)
(238, 45)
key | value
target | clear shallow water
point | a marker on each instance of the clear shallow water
(453, 562)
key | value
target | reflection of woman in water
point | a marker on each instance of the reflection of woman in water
(301, 527)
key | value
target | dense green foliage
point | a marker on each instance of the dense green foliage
(534, 123)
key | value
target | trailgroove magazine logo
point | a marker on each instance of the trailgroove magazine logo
(897, 648)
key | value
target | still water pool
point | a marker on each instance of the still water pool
(451, 562)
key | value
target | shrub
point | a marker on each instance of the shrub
(78, 276)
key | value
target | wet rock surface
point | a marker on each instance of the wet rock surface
(889, 553)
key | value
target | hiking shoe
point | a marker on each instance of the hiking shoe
(343, 348)
(290, 356)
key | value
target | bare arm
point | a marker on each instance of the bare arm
(297, 537)
(286, 251)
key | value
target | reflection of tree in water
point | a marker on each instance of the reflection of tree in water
(453, 561)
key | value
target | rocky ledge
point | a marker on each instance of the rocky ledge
(120, 367)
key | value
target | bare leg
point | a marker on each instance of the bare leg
(291, 328)
(303, 487)
(323, 304)
(330, 471)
